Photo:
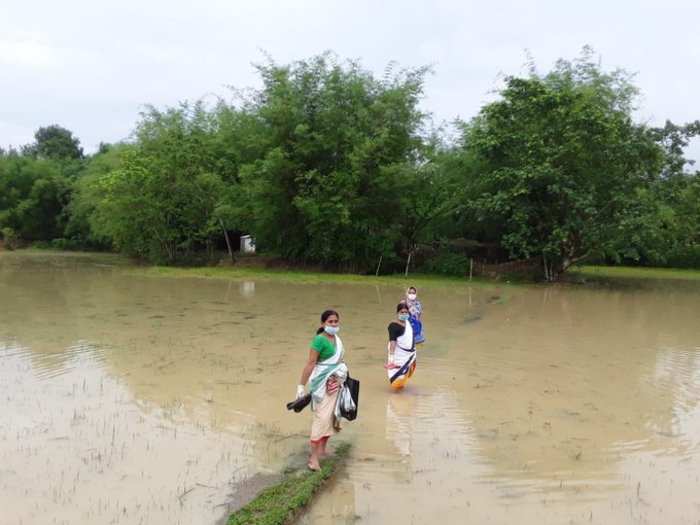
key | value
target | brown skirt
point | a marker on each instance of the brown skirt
(324, 423)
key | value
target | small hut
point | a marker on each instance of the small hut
(247, 244)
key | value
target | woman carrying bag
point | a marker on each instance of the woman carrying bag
(326, 373)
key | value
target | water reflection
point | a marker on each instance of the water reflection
(247, 289)
(400, 416)
(530, 404)
(563, 405)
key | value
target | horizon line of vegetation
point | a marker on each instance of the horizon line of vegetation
(329, 165)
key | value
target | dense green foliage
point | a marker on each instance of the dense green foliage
(33, 196)
(560, 161)
(328, 186)
(54, 142)
(662, 227)
(329, 165)
(159, 203)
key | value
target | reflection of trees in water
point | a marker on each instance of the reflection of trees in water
(38, 313)
(425, 466)
(73, 435)
(400, 419)
(183, 348)
(554, 382)
(564, 382)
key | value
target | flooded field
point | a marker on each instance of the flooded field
(130, 399)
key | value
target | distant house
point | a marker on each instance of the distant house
(247, 244)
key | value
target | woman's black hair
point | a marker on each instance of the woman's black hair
(324, 317)
(401, 306)
(412, 288)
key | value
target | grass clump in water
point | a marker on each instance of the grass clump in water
(281, 503)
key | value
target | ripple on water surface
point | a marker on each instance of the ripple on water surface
(130, 399)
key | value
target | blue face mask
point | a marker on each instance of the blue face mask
(331, 330)
(403, 317)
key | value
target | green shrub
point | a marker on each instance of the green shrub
(684, 257)
(10, 237)
(447, 264)
(66, 244)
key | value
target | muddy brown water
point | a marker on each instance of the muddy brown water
(130, 399)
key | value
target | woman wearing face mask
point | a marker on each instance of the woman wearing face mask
(401, 362)
(415, 309)
(325, 372)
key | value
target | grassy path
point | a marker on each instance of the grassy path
(282, 503)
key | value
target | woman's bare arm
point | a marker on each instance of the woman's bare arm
(309, 366)
(390, 360)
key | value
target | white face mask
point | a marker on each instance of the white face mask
(411, 297)
(331, 330)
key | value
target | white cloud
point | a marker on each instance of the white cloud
(28, 51)
(92, 65)
(22, 134)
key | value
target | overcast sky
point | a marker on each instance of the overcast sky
(90, 66)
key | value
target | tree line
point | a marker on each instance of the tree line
(330, 164)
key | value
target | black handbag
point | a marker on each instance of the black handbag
(353, 387)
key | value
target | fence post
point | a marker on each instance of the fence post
(379, 265)
(228, 242)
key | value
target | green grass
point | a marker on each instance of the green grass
(37, 254)
(315, 277)
(281, 503)
(306, 277)
(634, 272)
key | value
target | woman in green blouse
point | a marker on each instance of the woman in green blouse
(325, 372)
